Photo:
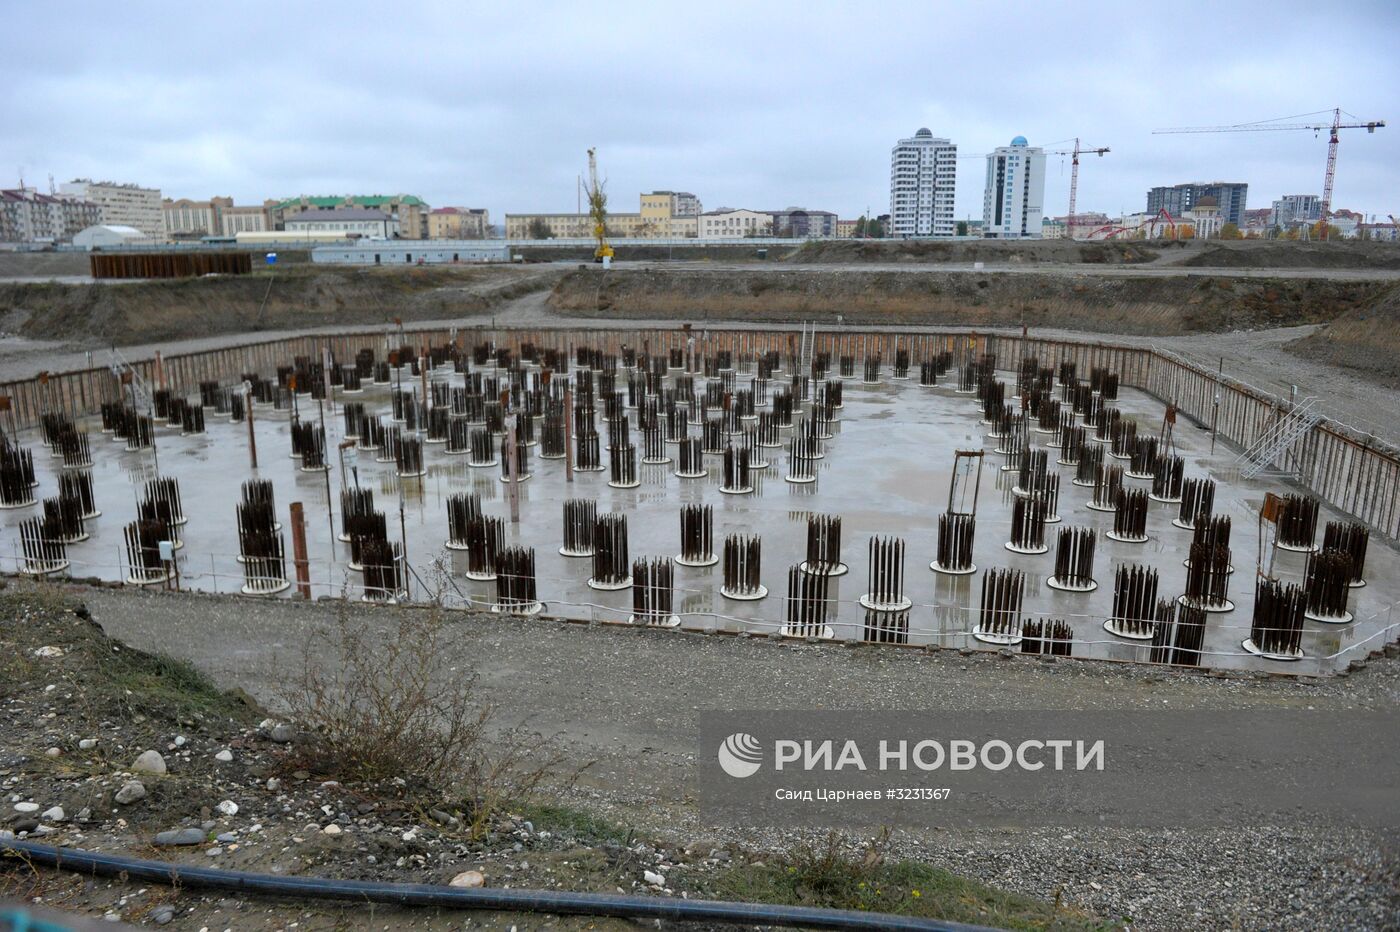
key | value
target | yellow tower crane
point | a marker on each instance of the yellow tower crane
(598, 211)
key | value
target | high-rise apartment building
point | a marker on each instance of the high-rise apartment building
(1013, 202)
(1292, 208)
(122, 204)
(1178, 199)
(923, 175)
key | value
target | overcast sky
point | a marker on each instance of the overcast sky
(753, 104)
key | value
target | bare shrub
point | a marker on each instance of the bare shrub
(400, 705)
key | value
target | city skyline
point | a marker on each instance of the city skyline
(505, 123)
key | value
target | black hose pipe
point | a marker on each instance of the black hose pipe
(422, 894)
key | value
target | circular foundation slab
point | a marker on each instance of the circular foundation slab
(759, 593)
(1249, 645)
(1112, 628)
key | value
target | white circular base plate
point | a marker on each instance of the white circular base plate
(479, 465)
(649, 460)
(1005, 640)
(822, 633)
(1111, 627)
(1014, 548)
(479, 577)
(1249, 645)
(1114, 535)
(565, 552)
(691, 475)
(972, 568)
(1095, 507)
(711, 560)
(610, 587)
(1226, 606)
(1354, 584)
(1294, 548)
(530, 608)
(1169, 501)
(590, 469)
(1177, 522)
(759, 593)
(670, 621)
(1083, 484)
(1066, 587)
(839, 569)
(799, 480)
(524, 478)
(45, 571)
(1344, 618)
(624, 485)
(746, 490)
(903, 604)
(149, 580)
(411, 475)
(277, 587)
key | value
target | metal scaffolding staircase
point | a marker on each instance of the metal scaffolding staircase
(805, 347)
(120, 367)
(1274, 442)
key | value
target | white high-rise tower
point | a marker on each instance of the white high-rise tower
(1014, 201)
(923, 174)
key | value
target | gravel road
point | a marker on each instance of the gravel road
(631, 699)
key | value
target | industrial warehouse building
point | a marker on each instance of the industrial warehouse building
(400, 252)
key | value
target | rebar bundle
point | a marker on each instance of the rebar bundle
(482, 451)
(1167, 482)
(381, 571)
(78, 485)
(408, 457)
(928, 373)
(437, 425)
(1130, 516)
(766, 432)
(1027, 526)
(1106, 421)
(372, 434)
(1047, 416)
(1143, 458)
(350, 381)
(1178, 634)
(712, 436)
(364, 527)
(955, 536)
(1122, 439)
(885, 576)
(690, 459)
(1352, 539)
(589, 456)
(1197, 503)
(144, 564)
(580, 518)
(73, 447)
(1208, 578)
(653, 593)
(1104, 383)
(610, 560)
(485, 539)
(260, 550)
(1327, 586)
(1031, 469)
(677, 424)
(847, 366)
(901, 364)
(1089, 467)
(522, 460)
(1049, 638)
(140, 432)
(824, 545)
(16, 476)
(1074, 560)
(167, 491)
(462, 510)
(803, 453)
(737, 480)
(697, 536)
(999, 617)
(1297, 523)
(782, 408)
(1108, 483)
(807, 605)
(872, 369)
(742, 558)
(1134, 603)
(1276, 631)
(516, 586)
(42, 547)
(309, 444)
(622, 460)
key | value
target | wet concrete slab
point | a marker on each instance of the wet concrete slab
(886, 472)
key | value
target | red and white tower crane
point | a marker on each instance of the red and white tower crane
(1076, 152)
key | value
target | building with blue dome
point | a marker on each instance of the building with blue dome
(1013, 202)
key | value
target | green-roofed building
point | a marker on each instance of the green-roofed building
(410, 210)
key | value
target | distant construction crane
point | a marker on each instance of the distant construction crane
(1265, 126)
(1076, 152)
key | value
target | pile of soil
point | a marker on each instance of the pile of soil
(1104, 304)
(993, 251)
(131, 313)
(1365, 338)
(1295, 255)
